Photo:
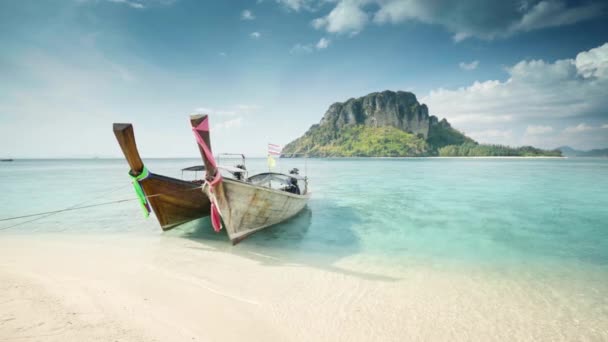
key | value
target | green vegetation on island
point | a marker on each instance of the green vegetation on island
(483, 150)
(363, 141)
(392, 124)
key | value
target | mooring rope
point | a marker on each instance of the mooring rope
(67, 209)
(79, 206)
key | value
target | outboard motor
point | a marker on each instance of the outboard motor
(240, 175)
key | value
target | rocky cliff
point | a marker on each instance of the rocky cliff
(387, 123)
(397, 109)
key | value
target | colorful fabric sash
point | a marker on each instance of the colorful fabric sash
(143, 201)
(216, 220)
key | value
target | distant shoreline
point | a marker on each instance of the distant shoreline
(504, 157)
(438, 157)
(263, 157)
(315, 157)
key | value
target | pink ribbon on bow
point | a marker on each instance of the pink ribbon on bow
(216, 221)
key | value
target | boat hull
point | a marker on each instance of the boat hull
(175, 201)
(246, 208)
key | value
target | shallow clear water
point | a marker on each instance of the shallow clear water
(473, 212)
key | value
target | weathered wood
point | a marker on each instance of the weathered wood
(126, 139)
(173, 201)
(247, 208)
(195, 120)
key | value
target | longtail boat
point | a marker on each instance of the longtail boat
(240, 204)
(173, 200)
(245, 205)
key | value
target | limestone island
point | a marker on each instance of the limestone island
(393, 124)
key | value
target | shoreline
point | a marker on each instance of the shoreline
(316, 158)
(439, 157)
(139, 288)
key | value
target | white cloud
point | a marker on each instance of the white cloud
(469, 66)
(131, 4)
(137, 4)
(247, 108)
(346, 17)
(593, 63)
(605, 126)
(215, 112)
(125, 74)
(323, 43)
(225, 113)
(203, 110)
(582, 127)
(297, 5)
(487, 20)
(247, 15)
(552, 13)
(538, 130)
(301, 48)
(495, 136)
(240, 110)
(232, 123)
(535, 90)
(222, 54)
(255, 35)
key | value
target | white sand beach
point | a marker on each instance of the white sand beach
(142, 288)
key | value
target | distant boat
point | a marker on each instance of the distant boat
(242, 205)
(6, 160)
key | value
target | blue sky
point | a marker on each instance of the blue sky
(509, 72)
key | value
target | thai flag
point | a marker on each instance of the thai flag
(274, 150)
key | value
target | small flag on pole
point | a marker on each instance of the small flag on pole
(274, 150)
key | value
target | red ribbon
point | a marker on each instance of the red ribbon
(216, 221)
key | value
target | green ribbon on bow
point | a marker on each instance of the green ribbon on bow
(143, 202)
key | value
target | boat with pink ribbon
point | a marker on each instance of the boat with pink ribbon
(236, 202)
(244, 205)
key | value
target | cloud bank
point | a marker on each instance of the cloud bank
(464, 19)
(536, 91)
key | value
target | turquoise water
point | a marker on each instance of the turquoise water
(475, 212)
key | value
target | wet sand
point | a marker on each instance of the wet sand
(143, 288)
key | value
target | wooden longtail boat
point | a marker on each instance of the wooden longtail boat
(241, 205)
(248, 205)
(174, 201)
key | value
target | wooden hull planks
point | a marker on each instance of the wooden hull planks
(246, 208)
(175, 201)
